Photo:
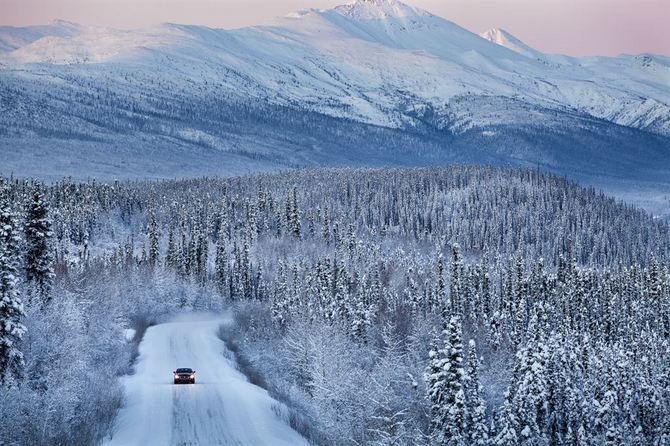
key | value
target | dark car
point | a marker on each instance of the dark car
(184, 376)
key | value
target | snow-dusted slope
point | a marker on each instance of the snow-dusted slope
(371, 60)
(503, 38)
(375, 82)
(222, 408)
(12, 37)
(380, 10)
(93, 45)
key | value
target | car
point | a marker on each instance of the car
(184, 376)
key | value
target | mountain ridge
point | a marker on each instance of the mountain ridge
(375, 33)
(550, 80)
(379, 9)
(395, 71)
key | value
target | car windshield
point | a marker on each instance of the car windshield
(184, 371)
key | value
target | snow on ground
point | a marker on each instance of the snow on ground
(128, 334)
(503, 38)
(221, 408)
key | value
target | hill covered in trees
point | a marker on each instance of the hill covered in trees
(459, 305)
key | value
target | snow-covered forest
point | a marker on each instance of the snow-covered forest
(445, 306)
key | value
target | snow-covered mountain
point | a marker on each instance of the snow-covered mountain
(503, 38)
(12, 37)
(372, 66)
(369, 60)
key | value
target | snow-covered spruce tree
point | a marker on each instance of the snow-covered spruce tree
(436, 391)
(508, 426)
(341, 299)
(279, 304)
(456, 282)
(250, 222)
(202, 255)
(39, 252)
(455, 375)
(11, 307)
(531, 389)
(325, 228)
(246, 271)
(293, 214)
(477, 430)
(609, 422)
(360, 319)
(171, 256)
(494, 335)
(153, 256)
(442, 301)
(221, 263)
(352, 243)
(445, 389)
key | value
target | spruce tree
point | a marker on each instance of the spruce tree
(221, 263)
(39, 253)
(325, 229)
(292, 214)
(531, 388)
(153, 239)
(279, 304)
(171, 256)
(454, 374)
(442, 301)
(295, 215)
(246, 272)
(476, 409)
(445, 379)
(494, 333)
(436, 388)
(11, 307)
(202, 255)
(507, 433)
(456, 282)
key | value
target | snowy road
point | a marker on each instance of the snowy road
(222, 408)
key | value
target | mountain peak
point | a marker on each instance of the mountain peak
(503, 38)
(65, 24)
(379, 9)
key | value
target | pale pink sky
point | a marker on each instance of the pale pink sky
(575, 27)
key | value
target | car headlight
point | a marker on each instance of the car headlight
(192, 375)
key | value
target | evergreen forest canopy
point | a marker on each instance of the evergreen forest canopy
(458, 305)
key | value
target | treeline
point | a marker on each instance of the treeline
(357, 294)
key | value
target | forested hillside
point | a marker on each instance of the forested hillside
(459, 305)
